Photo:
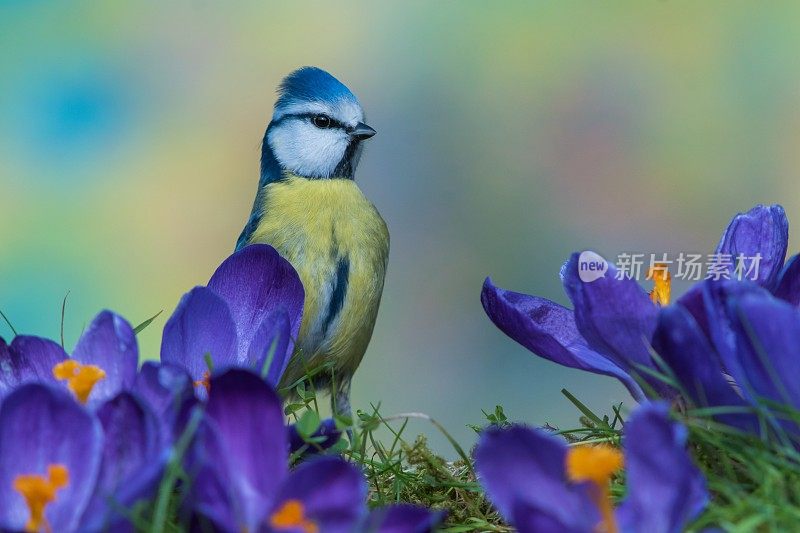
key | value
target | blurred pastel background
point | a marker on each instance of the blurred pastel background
(510, 134)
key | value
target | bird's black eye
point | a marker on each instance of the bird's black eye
(321, 121)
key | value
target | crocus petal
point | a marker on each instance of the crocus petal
(529, 519)
(239, 455)
(548, 330)
(132, 462)
(200, 325)
(615, 316)
(164, 388)
(522, 471)
(110, 343)
(162, 385)
(692, 360)
(768, 341)
(42, 425)
(717, 296)
(665, 489)
(28, 359)
(272, 347)
(692, 300)
(763, 230)
(403, 518)
(331, 491)
(255, 282)
(788, 286)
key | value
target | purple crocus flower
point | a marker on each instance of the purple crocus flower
(606, 333)
(757, 358)
(165, 388)
(612, 327)
(240, 478)
(103, 363)
(47, 441)
(109, 343)
(27, 359)
(65, 468)
(133, 458)
(250, 311)
(102, 369)
(538, 484)
(764, 232)
(729, 343)
(401, 518)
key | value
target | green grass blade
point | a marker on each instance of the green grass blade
(138, 329)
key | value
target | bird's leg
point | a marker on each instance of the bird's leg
(340, 403)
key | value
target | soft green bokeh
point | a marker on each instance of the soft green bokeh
(510, 134)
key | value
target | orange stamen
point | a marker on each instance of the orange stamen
(80, 379)
(662, 283)
(39, 491)
(292, 515)
(597, 464)
(205, 382)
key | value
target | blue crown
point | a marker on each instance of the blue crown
(311, 84)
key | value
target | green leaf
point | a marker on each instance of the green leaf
(585, 410)
(301, 390)
(340, 446)
(307, 424)
(63, 313)
(8, 322)
(138, 329)
(343, 421)
(292, 408)
(270, 356)
(172, 473)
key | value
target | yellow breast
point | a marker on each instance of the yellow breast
(339, 244)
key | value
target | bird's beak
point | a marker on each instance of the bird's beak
(362, 131)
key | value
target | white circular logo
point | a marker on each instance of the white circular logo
(591, 266)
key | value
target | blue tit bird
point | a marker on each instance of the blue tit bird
(309, 208)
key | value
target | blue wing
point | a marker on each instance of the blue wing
(249, 228)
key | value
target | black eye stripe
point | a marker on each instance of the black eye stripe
(310, 117)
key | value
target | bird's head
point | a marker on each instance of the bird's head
(317, 127)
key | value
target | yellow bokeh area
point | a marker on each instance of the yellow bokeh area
(509, 135)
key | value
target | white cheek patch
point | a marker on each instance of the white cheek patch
(302, 148)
